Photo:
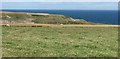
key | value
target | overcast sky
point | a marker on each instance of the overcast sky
(61, 5)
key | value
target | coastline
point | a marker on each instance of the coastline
(34, 24)
(96, 16)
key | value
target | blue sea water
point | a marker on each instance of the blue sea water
(97, 16)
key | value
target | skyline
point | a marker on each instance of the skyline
(61, 5)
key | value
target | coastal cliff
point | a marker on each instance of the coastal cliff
(38, 18)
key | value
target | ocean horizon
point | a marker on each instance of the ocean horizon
(96, 16)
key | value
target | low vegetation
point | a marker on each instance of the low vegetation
(58, 41)
(39, 18)
(22, 37)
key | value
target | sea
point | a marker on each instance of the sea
(96, 16)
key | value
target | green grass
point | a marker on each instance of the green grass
(15, 16)
(59, 42)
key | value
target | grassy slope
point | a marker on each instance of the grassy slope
(59, 41)
(48, 19)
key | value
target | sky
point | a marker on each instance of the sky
(61, 5)
(60, 0)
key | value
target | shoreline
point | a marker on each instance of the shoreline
(32, 13)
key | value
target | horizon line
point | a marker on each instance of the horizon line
(54, 9)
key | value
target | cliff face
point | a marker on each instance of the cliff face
(39, 18)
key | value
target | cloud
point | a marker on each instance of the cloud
(60, 0)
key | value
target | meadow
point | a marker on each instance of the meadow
(59, 41)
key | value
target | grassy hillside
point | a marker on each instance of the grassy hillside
(41, 18)
(59, 41)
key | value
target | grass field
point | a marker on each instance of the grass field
(53, 41)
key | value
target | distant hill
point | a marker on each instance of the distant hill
(39, 18)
